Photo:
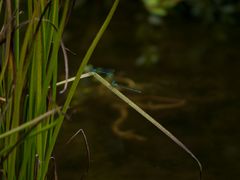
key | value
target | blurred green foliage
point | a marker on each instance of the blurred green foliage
(210, 11)
(159, 7)
(206, 10)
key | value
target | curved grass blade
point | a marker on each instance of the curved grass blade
(52, 170)
(41, 18)
(86, 146)
(149, 118)
(143, 113)
(66, 67)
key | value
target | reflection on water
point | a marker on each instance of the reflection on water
(196, 63)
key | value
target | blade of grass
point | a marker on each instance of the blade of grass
(44, 129)
(56, 44)
(1, 3)
(21, 139)
(148, 117)
(8, 34)
(140, 111)
(78, 76)
(87, 149)
(88, 55)
(66, 67)
(30, 123)
(16, 34)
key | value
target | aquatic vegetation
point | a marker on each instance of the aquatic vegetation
(30, 118)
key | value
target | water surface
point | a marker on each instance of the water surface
(188, 60)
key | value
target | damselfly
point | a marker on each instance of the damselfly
(108, 72)
(116, 85)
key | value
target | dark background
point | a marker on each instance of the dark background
(192, 53)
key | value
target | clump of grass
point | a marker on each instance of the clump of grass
(30, 118)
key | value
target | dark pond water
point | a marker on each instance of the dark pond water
(191, 61)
